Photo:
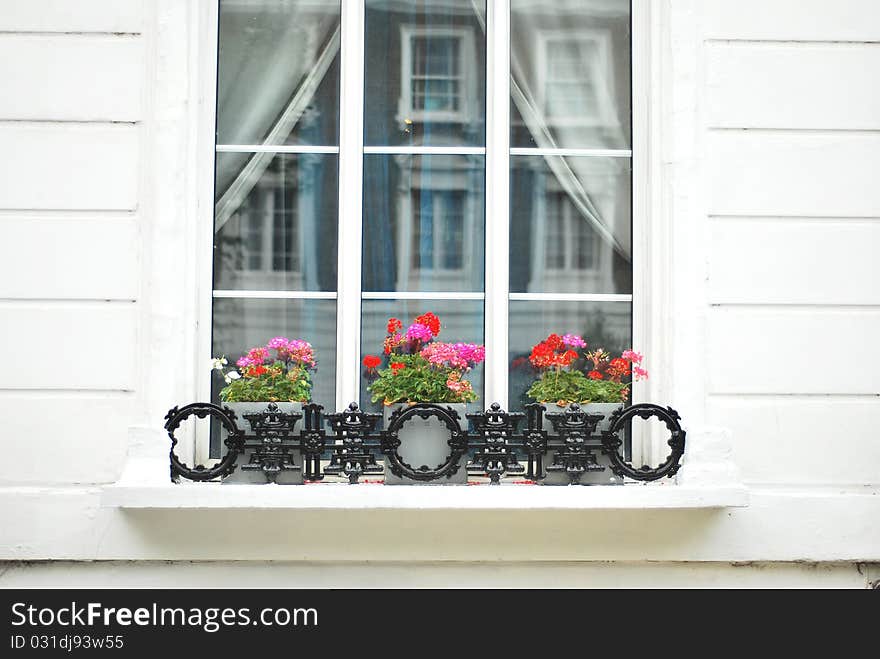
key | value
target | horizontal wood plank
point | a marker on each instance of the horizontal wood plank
(798, 20)
(56, 439)
(38, 260)
(802, 441)
(793, 351)
(793, 174)
(69, 16)
(779, 86)
(56, 78)
(68, 346)
(73, 167)
(771, 261)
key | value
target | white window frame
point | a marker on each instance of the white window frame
(605, 116)
(497, 152)
(468, 90)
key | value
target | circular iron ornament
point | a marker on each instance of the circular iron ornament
(457, 442)
(201, 410)
(611, 442)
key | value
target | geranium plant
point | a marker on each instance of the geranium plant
(605, 379)
(420, 369)
(276, 372)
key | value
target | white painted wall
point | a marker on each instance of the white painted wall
(765, 152)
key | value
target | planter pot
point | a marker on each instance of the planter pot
(606, 477)
(258, 476)
(426, 442)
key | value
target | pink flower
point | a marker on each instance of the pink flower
(574, 341)
(257, 356)
(640, 373)
(455, 384)
(632, 356)
(243, 362)
(278, 343)
(471, 353)
(419, 332)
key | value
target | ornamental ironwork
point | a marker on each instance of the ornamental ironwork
(493, 444)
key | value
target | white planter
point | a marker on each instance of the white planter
(285, 476)
(606, 477)
(425, 442)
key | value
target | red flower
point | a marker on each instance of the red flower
(256, 371)
(618, 368)
(394, 325)
(430, 321)
(371, 361)
(554, 341)
(594, 375)
(570, 356)
(397, 367)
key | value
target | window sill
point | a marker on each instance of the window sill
(340, 496)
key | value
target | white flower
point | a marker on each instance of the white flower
(218, 363)
(233, 375)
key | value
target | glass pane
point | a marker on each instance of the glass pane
(275, 223)
(425, 73)
(461, 321)
(605, 325)
(423, 223)
(278, 72)
(570, 225)
(570, 74)
(241, 324)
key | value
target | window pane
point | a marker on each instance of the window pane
(570, 74)
(275, 222)
(570, 225)
(425, 73)
(602, 324)
(241, 324)
(278, 72)
(461, 321)
(423, 223)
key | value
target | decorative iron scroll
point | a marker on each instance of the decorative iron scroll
(611, 442)
(565, 443)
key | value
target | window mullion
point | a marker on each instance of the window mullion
(497, 197)
(351, 140)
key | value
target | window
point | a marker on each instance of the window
(383, 158)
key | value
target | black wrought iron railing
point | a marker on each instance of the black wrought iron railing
(565, 446)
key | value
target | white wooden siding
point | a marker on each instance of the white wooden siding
(792, 20)
(792, 135)
(785, 85)
(37, 262)
(69, 166)
(90, 78)
(68, 346)
(793, 173)
(72, 16)
(794, 261)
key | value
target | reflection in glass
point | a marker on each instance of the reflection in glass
(602, 324)
(570, 74)
(276, 229)
(425, 73)
(240, 324)
(278, 72)
(570, 225)
(462, 320)
(423, 223)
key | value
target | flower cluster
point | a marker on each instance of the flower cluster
(421, 369)
(264, 376)
(454, 355)
(603, 382)
(556, 351)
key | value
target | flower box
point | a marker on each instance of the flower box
(266, 460)
(556, 474)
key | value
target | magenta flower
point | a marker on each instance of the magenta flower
(278, 343)
(243, 362)
(257, 356)
(419, 332)
(471, 353)
(574, 341)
